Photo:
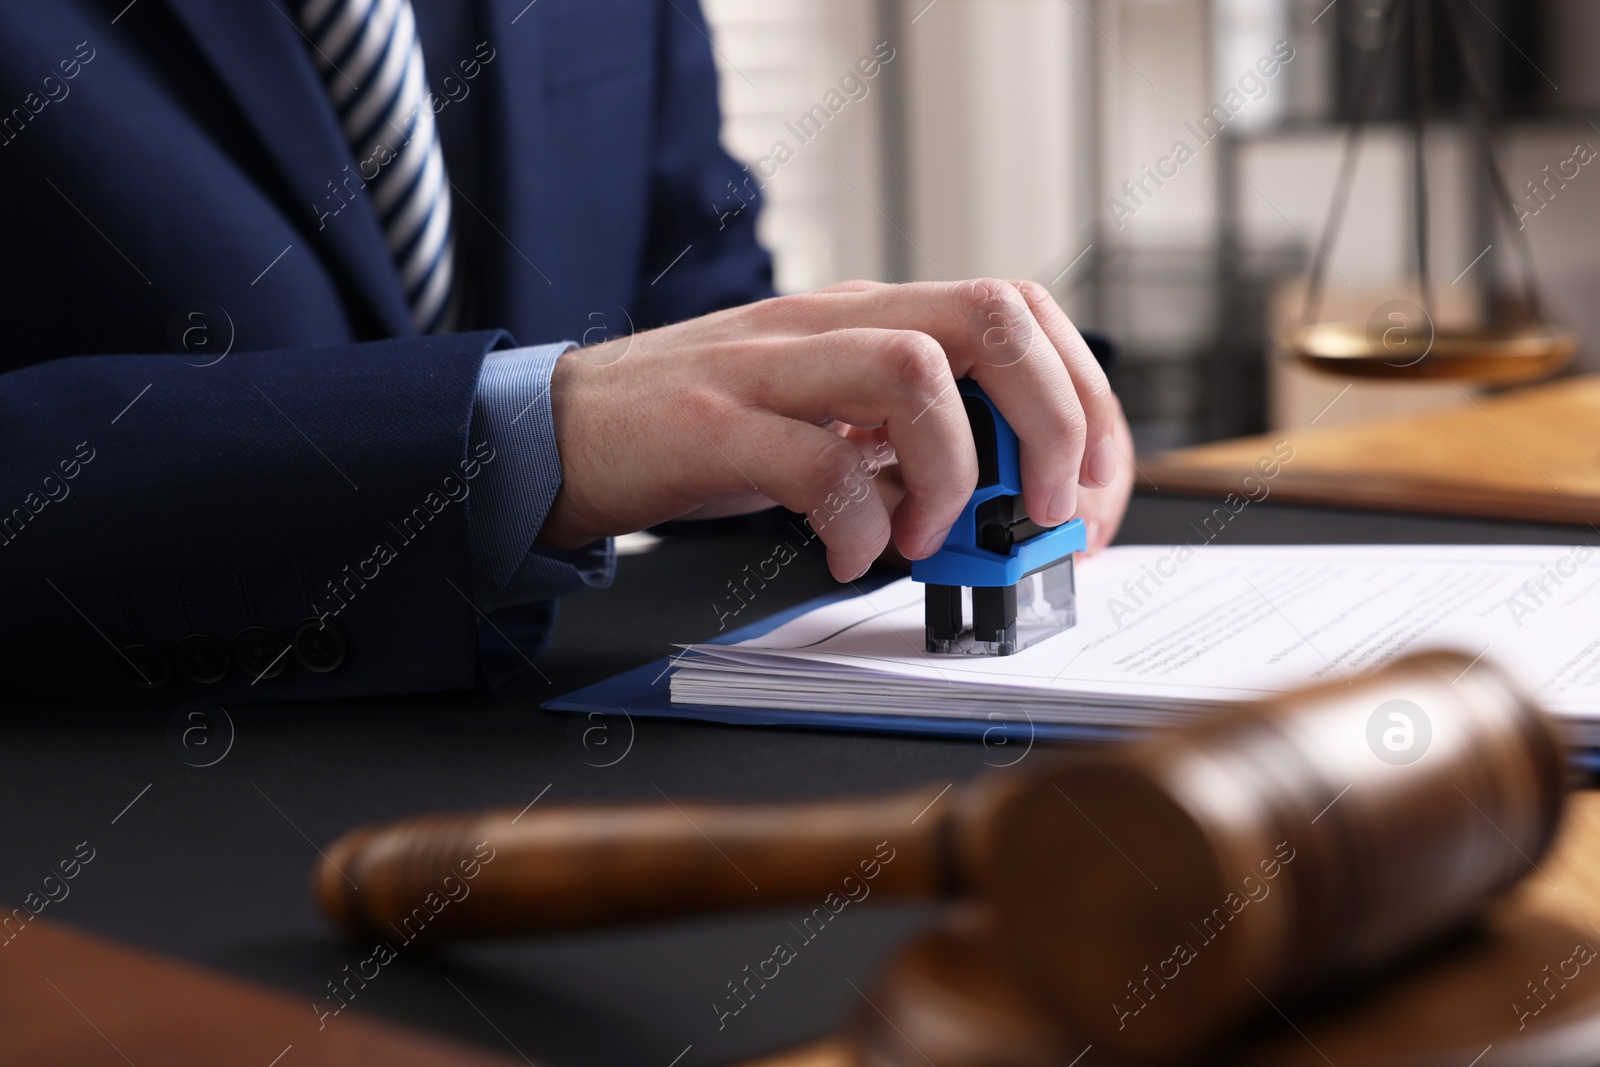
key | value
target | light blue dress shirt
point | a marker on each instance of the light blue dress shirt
(513, 494)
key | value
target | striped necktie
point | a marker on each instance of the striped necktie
(371, 61)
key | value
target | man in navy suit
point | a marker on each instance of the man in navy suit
(270, 423)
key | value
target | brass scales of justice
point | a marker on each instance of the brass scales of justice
(1511, 349)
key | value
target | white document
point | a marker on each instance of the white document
(1166, 632)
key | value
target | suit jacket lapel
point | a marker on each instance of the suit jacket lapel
(266, 64)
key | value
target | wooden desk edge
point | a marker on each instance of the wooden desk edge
(1376, 492)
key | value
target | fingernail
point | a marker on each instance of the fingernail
(853, 577)
(1091, 535)
(1063, 504)
(934, 544)
(1101, 465)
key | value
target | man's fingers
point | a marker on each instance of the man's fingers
(825, 477)
(1102, 507)
(899, 380)
(1100, 458)
(988, 332)
(1019, 368)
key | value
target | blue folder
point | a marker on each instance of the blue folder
(644, 693)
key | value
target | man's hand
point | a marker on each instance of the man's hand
(800, 400)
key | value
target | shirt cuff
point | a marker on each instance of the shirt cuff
(511, 413)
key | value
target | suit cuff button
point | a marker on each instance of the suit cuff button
(260, 653)
(202, 658)
(318, 645)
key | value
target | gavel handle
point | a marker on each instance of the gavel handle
(505, 872)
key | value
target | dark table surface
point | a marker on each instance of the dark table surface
(211, 863)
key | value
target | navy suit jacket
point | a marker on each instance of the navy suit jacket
(170, 177)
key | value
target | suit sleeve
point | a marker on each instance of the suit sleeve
(279, 526)
(701, 254)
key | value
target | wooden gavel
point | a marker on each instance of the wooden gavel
(517, 872)
(1274, 846)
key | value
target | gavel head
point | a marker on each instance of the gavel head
(1153, 897)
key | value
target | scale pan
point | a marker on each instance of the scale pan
(1503, 355)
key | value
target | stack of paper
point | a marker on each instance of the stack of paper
(1168, 632)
